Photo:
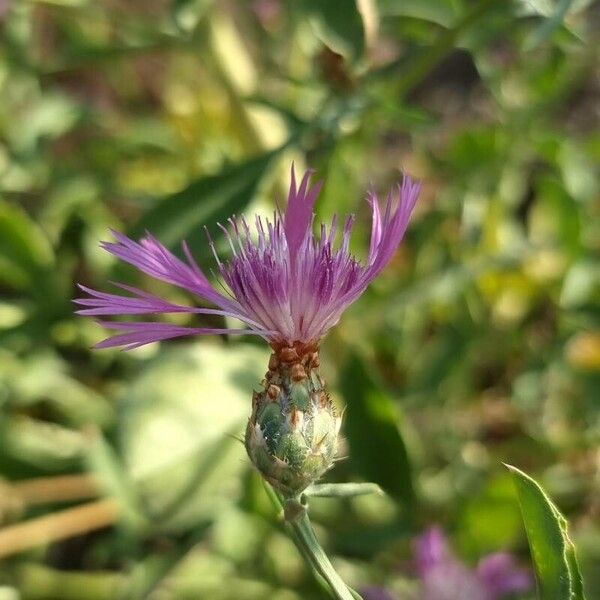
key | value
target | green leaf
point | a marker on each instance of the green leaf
(43, 444)
(341, 490)
(204, 202)
(442, 12)
(553, 553)
(24, 249)
(43, 378)
(537, 7)
(105, 463)
(187, 13)
(339, 25)
(372, 427)
(178, 420)
(549, 26)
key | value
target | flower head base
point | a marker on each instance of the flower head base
(289, 287)
(292, 433)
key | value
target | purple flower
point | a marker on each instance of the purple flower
(372, 592)
(500, 574)
(444, 577)
(287, 285)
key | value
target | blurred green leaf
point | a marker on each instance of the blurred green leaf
(339, 25)
(537, 7)
(442, 12)
(581, 284)
(24, 249)
(187, 13)
(45, 445)
(204, 202)
(563, 221)
(549, 26)
(42, 378)
(579, 172)
(553, 553)
(372, 427)
(105, 463)
(39, 582)
(292, 119)
(177, 423)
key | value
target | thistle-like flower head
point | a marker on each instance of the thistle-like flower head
(286, 284)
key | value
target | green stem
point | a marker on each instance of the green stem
(303, 529)
(304, 537)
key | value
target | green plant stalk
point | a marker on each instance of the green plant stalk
(317, 560)
(303, 529)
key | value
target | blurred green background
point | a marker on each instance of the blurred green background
(480, 343)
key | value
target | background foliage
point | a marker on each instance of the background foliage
(479, 345)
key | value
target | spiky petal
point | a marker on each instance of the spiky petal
(286, 284)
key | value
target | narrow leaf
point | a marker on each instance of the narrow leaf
(549, 26)
(206, 201)
(339, 24)
(342, 490)
(104, 462)
(553, 553)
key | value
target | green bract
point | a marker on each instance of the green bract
(292, 434)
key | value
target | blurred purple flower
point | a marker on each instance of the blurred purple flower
(373, 592)
(267, 11)
(4, 8)
(287, 285)
(499, 573)
(444, 577)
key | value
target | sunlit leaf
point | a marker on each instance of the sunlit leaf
(43, 378)
(179, 423)
(553, 552)
(578, 171)
(187, 13)
(339, 24)
(341, 490)
(43, 444)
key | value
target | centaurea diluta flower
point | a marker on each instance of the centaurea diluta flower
(287, 286)
(444, 577)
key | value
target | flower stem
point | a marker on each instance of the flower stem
(305, 539)
(303, 529)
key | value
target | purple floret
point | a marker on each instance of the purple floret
(284, 283)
